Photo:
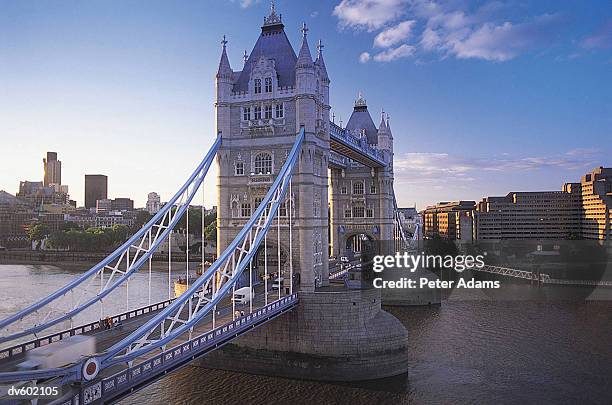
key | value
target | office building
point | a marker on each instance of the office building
(122, 204)
(449, 220)
(96, 188)
(52, 170)
(153, 203)
(529, 215)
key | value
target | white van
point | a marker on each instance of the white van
(278, 282)
(243, 295)
(60, 353)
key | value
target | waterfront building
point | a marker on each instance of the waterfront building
(595, 190)
(449, 220)
(96, 188)
(153, 203)
(528, 215)
(15, 215)
(52, 170)
(579, 211)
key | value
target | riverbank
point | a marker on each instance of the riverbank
(79, 258)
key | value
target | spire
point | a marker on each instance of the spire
(382, 127)
(304, 60)
(388, 125)
(319, 62)
(225, 70)
(273, 18)
(360, 101)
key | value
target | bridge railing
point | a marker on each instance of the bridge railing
(113, 386)
(10, 352)
(359, 143)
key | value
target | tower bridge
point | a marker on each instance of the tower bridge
(293, 188)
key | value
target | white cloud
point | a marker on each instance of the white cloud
(392, 54)
(430, 39)
(364, 57)
(394, 35)
(453, 28)
(600, 39)
(246, 3)
(426, 167)
(368, 14)
(314, 14)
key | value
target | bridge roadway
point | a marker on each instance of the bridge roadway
(105, 338)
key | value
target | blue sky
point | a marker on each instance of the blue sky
(485, 97)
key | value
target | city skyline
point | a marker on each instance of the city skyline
(125, 89)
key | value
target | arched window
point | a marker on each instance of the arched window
(263, 163)
(358, 187)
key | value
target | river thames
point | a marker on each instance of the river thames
(471, 349)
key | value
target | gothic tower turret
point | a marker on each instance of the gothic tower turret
(385, 138)
(224, 77)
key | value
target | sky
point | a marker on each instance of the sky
(485, 97)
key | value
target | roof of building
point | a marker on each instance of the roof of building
(362, 121)
(8, 199)
(410, 211)
(272, 44)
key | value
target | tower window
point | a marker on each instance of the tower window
(358, 212)
(358, 188)
(257, 112)
(268, 112)
(282, 209)
(343, 190)
(280, 111)
(246, 113)
(268, 85)
(257, 86)
(372, 189)
(239, 168)
(347, 213)
(263, 163)
(245, 210)
(370, 213)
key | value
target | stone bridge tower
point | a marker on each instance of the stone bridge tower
(361, 198)
(259, 111)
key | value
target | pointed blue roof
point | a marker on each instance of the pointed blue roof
(272, 44)
(320, 62)
(362, 121)
(225, 69)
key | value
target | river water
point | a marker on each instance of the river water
(468, 350)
